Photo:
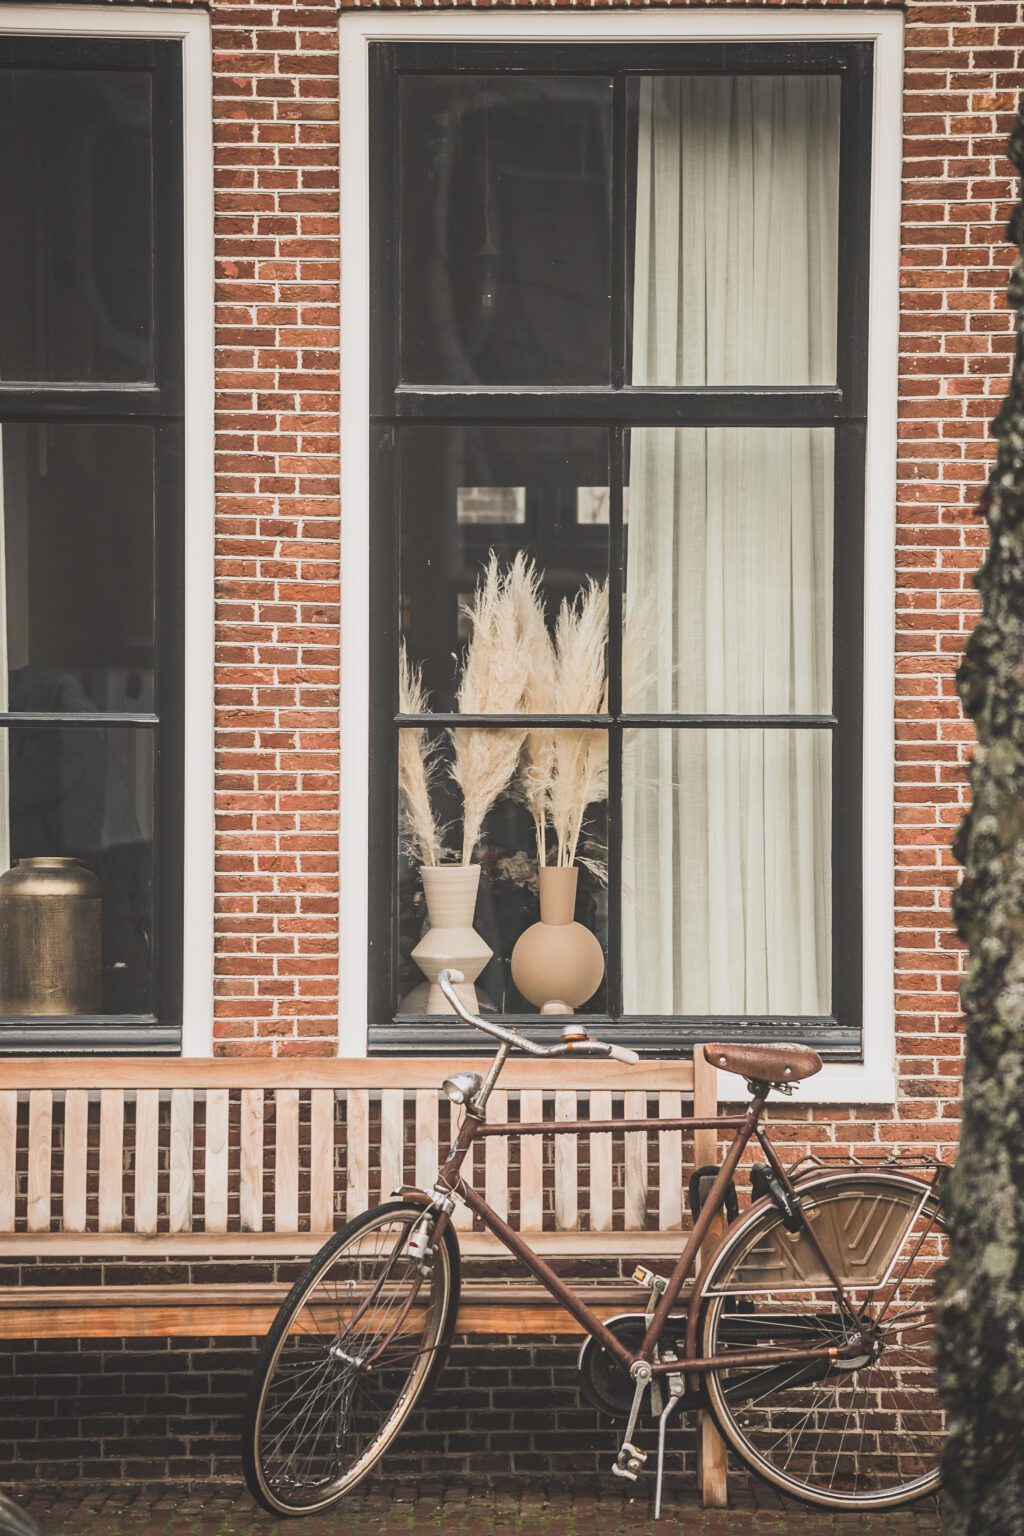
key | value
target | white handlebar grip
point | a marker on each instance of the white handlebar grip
(622, 1053)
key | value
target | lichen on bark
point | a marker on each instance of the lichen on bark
(981, 1298)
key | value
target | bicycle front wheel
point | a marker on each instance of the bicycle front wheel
(358, 1338)
(864, 1431)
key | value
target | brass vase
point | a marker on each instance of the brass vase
(49, 938)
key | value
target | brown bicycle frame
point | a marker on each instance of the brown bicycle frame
(744, 1128)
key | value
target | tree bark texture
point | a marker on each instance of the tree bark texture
(981, 1310)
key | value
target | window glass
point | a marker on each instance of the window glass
(521, 486)
(76, 533)
(729, 571)
(734, 257)
(76, 189)
(726, 871)
(76, 870)
(505, 210)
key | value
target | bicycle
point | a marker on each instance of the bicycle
(807, 1334)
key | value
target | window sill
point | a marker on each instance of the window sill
(89, 1035)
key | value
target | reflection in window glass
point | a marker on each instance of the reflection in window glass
(726, 871)
(76, 189)
(443, 554)
(729, 571)
(85, 794)
(76, 577)
(737, 219)
(506, 229)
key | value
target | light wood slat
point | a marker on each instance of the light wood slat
(601, 1201)
(362, 1072)
(40, 1141)
(147, 1159)
(76, 1159)
(215, 1201)
(321, 1151)
(496, 1155)
(426, 1138)
(705, 1103)
(357, 1145)
(462, 1216)
(392, 1138)
(286, 1161)
(8, 1159)
(531, 1165)
(111, 1201)
(635, 1107)
(567, 1210)
(181, 1181)
(670, 1164)
(250, 1161)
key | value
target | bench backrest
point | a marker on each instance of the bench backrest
(234, 1156)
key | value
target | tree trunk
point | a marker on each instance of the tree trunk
(981, 1314)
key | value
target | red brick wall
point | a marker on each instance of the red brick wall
(276, 164)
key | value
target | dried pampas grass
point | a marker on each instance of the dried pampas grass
(580, 776)
(417, 769)
(537, 765)
(495, 669)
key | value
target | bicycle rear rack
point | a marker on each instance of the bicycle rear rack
(832, 1162)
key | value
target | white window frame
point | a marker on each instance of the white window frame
(192, 30)
(872, 1081)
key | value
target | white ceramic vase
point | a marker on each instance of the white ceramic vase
(451, 941)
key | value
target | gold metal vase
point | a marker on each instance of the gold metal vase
(50, 911)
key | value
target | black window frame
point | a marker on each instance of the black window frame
(160, 403)
(841, 407)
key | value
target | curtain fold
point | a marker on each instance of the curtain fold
(726, 845)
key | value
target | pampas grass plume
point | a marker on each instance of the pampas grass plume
(417, 768)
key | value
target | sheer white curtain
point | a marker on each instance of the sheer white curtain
(726, 845)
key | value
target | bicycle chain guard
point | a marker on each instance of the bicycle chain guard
(603, 1383)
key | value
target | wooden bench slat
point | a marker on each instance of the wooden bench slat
(286, 1161)
(392, 1138)
(670, 1164)
(462, 1216)
(321, 1153)
(250, 1160)
(635, 1171)
(427, 1158)
(601, 1199)
(567, 1199)
(111, 1202)
(181, 1178)
(357, 1132)
(215, 1206)
(147, 1159)
(496, 1156)
(531, 1164)
(8, 1159)
(40, 1142)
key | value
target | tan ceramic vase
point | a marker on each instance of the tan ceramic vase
(557, 964)
(451, 941)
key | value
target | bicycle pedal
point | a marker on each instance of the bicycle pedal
(629, 1462)
(648, 1279)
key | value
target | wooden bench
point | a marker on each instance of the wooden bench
(264, 1158)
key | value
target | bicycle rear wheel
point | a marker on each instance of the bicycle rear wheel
(358, 1338)
(863, 1432)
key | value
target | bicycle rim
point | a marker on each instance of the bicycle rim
(351, 1350)
(865, 1432)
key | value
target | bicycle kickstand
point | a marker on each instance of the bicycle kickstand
(675, 1397)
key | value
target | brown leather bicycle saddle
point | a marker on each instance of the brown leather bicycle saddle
(765, 1063)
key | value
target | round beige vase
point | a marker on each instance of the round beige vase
(557, 964)
(451, 941)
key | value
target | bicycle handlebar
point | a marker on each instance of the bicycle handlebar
(448, 980)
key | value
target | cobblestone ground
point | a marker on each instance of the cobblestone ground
(455, 1511)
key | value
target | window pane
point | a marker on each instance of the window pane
(81, 793)
(505, 229)
(465, 491)
(76, 580)
(76, 188)
(729, 571)
(726, 871)
(507, 900)
(736, 235)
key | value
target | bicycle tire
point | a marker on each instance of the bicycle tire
(332, 1378)
(898, 1420)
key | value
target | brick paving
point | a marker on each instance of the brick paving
(456, 1510)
